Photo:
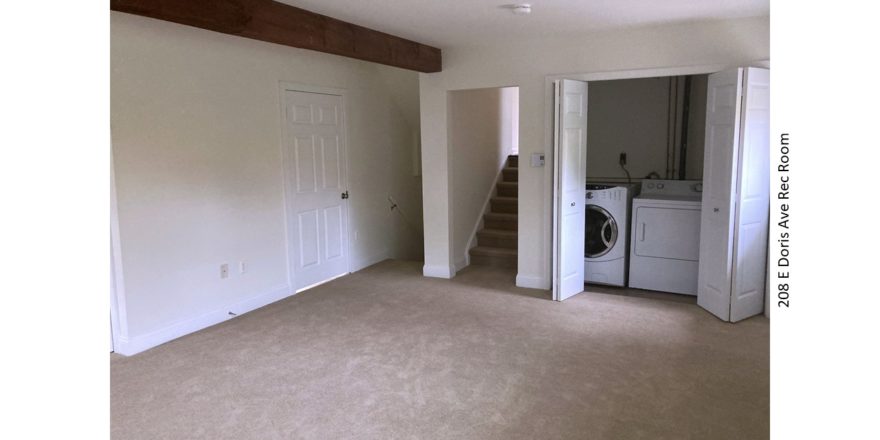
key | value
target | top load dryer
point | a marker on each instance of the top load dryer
(665, 236)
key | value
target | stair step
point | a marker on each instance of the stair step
(510, 174)
(497, 238)
(508, 189)
(504, 204)
(505, 200)
(493, 251)
(513, 160)
(497, 220)
(497, 233)
(491, 256)
(501, 216)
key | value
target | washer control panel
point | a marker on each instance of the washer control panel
(605, 192)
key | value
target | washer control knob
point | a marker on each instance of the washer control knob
(589, 195)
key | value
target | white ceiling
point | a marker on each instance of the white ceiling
(445, 23)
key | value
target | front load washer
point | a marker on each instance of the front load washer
(607, 229)
(665, 236)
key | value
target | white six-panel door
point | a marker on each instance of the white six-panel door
(734, 219)
(570, 177)
(314, 161)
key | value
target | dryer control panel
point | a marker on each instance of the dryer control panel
(687, 188)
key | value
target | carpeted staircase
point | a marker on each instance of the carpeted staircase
(496, 242)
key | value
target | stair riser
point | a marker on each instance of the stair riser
(500, 224)
(507, 261)
(510, 175)
(513, 161)
(505, 208)
(499, 242)
(506, 191)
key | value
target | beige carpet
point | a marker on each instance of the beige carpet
(387, 354)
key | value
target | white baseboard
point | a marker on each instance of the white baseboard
(438, 271)
(137, 344)
(532, 282)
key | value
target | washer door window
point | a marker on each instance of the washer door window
(601, 232)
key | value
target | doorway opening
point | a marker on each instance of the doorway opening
(644, 129)
(484, 139)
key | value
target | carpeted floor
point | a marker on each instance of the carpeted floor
(387, 354)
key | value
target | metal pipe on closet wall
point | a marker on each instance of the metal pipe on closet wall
(685, 117)
(671, 122)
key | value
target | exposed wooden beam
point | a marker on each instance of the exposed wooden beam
(275, 22)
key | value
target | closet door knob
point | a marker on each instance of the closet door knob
(715, 209)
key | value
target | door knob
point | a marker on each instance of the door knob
(715, 209)
(572, 203)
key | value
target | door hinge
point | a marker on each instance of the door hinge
(345, 194)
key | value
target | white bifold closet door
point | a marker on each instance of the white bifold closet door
(736, 194)
(570, 177)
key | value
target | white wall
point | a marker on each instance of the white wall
(197, 161)
(628, 116)
(527, 63)
(481, 135)
(636, 116)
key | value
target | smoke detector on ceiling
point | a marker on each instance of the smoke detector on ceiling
(520, 9)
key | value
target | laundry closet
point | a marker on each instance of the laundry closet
(675, 196)
(644, 182)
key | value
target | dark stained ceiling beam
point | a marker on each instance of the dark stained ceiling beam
(275, 22)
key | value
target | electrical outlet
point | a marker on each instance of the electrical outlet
(224, 270)
(242, 267)
(623, 158)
